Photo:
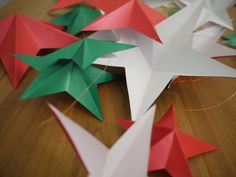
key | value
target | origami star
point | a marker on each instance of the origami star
(231, 39)
(105, 5)
(66, 3)
(132, 14)
(214, 11)
(128, 157)
(77, 19)
(68, 70)
(171, 148)
(24, 35)
(150, 67)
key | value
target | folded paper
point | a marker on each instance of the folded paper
(104, 5)
(68, 70)
(77, 19)
(171, 148)
(128, 157)
(66, 3)
(206, 42)
(214, 11)
(231, 39)
(151, 66)
(131, 14)
(24, 35)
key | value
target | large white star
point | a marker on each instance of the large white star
(150, 67)
(128, 157)
(214, 11)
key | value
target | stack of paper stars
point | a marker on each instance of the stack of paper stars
(153, 48)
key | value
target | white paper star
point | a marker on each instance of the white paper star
(150, 67)
(128, 157)
(214, 11)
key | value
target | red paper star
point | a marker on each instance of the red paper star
(24, 35)
(108, 6)
(66, 3)
(133, 14)
(171, 148)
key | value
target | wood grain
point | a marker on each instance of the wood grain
(32, 143)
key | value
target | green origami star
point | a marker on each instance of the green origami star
(231, 39)
(69, 70)
(79, 18)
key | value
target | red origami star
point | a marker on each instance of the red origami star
(99, 4)
(132, 14)
(26, 36)
(171, 148)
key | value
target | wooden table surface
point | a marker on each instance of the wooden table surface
(33, 144)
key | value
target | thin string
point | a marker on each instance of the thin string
(86, 89)
(192, 80)
(210, 107)
(188, 80)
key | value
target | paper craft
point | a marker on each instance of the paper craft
(206, 42)
(214, 11)
(53, 25)
(24, 35)
(231, 39)
(128, 157)
(171, 148)
(66, 3)
(104, 5)
(68, 70)
(76, 20)
(131, 14)
(151, 66)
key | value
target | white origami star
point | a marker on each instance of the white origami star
(127, 158)
(150, 67)
(214, 11)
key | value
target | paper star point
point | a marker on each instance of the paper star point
(66, 3)
(77, 19)
(214, 11)
(132, 14)
(206, 42)
(230, 39)
(128, 157)
(171, 148)
(24, 35)
(68, 70)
